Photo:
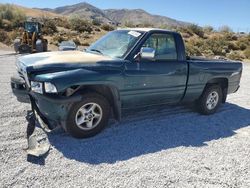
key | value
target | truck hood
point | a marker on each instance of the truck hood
(73, 64)
(65, 57)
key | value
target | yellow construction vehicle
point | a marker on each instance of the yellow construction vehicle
(32, 39)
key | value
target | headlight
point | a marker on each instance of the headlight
(36, 87)
(49, 87)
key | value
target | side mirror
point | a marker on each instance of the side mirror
(147, 53)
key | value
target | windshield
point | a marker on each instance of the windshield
(31, 27)
(115, 44)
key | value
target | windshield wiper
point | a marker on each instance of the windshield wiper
(95, 50)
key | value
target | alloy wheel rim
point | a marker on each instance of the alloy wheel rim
(212, 100)
(88, 116)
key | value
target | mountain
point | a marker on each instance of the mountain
(134, 16)
(83, 10)
(139, 16)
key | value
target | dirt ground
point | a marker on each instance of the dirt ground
(170, 147)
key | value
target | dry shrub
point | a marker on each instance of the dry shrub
(13, 15)
(85, 44)
(77, 41)
(49, 26)
(247, 53)
(80, 25)
(107, 27)
(58, 39)
(235, 55)
(4, 37)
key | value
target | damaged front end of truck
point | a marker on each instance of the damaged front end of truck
(21, 89)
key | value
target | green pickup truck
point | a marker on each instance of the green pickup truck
(125, 69)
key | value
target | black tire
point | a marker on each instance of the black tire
(17, 43)
(71, 126)
(45, 45)
(202, 105)
(24, 49)
(39, 46)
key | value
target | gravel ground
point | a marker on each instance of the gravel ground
(172, 147)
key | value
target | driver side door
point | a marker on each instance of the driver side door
(161, 80)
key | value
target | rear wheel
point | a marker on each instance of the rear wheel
(45, 45)
(88, 117)
(39, 46)
(210, 100)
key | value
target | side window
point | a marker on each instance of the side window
(164, 45)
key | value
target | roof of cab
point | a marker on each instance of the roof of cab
(145, 29)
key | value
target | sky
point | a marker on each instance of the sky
(234, 13)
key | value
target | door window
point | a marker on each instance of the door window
(164, 45)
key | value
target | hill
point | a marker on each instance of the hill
(83, 10)
(139, 16)
(59, 26)
(123, 16)
(33, 12)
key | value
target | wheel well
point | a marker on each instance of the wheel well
(111, 93)
(223, 82)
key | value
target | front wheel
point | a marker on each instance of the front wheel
(24, 49)
(88, 117)
(210, 100)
